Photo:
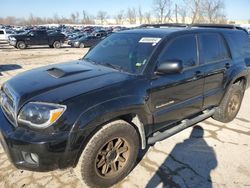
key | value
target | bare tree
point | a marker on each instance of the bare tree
(147, 16)
(56, 19)
(195, 10)
(140, 15)
(10, 20)
(214, 11)
(77, 17)
(162, 9)
(86, 18)
(131, 15)
(182, 12)
(102, 16)
(73, 18)
(119, 17)
(206, 11)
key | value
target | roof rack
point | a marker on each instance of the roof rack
(222, 26)
(219, 26)
(163, 25)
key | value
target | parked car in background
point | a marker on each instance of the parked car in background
(86, 41)
(100, 33)
(71, 40)
(4, 35)
(37, 37)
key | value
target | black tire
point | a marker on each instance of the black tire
(98, 152)
(51, 46)
(21, 45)
(57, 44)
(81, 45)
(230, 105)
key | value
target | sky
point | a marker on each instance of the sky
(235, 9)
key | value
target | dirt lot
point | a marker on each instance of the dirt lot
(210, 154)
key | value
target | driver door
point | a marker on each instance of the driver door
(176, 96)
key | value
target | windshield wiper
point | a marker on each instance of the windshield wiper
(89, 60)
(117, 67)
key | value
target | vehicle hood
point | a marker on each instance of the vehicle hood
(57, 83)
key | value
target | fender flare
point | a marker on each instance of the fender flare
(234, 76)
(92, 119)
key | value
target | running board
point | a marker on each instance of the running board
(159, 136)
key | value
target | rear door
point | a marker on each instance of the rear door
(42, 37)
(174, 97)
(215, 61)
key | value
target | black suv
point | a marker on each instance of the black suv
(133, 89)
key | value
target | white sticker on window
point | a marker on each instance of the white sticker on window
(149, 40)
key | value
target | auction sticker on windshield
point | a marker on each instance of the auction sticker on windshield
(150, 40)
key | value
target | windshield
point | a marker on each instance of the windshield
(83, 37)
(128, 52)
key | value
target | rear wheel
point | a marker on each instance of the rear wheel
(57, 44)
(109, 155)
(21, 45)
(230, 104)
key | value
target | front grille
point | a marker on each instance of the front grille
(8, 104)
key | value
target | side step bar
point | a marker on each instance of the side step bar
(183, 125)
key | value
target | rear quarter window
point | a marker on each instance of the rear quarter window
(1, 32)
(213, 48)
(239, 44)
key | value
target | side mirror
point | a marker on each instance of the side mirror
(170, 67)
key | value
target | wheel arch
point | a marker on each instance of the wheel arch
(132, 118)
(239, 77)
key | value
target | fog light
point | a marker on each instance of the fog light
(34, 157)
(31, 158)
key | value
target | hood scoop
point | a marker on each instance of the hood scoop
(68, 70)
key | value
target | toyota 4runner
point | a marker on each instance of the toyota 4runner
(133, 89)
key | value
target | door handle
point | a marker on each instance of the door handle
(227, 65)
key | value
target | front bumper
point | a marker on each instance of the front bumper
(12, 42)
(34, 151)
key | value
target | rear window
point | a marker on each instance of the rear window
(213, 48)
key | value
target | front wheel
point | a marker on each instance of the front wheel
(230, 104)
(57, 44)
(21, 45)
(109, 155)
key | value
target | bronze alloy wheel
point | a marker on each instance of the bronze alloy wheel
(230, 104)
(112, 158)
(109, 155)
(234, 104)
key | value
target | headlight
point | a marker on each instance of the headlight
(40, 115)
(12, 38)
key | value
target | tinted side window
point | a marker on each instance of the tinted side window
(182, 48)
(1, 32)
(213, 48)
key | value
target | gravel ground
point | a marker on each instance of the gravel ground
(209, 154)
